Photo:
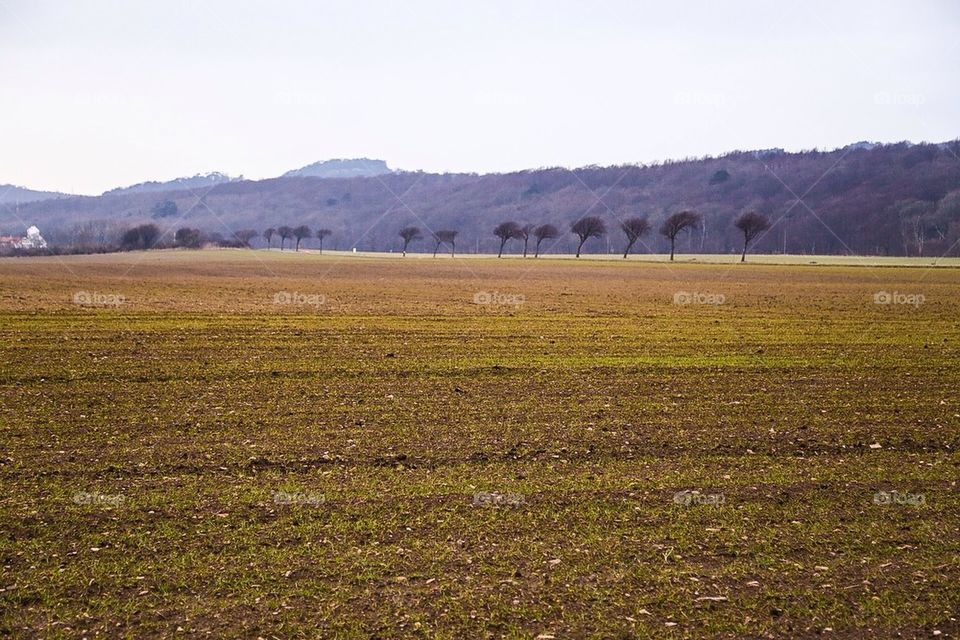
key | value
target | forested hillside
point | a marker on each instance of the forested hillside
(896, 199)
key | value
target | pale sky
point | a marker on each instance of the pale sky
(99, 94)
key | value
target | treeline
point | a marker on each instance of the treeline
(100, 236)
(897, 199)
(149, 236)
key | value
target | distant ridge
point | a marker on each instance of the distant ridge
(13, 193)
(341, 168)
(198, 181)
(868, 198)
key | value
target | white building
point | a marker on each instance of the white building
(33, 240)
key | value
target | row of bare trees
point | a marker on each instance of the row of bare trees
(290, 233)
(441, 236)
(505, 231)
(751, 224)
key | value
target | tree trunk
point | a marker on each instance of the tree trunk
(435, 249)
(672, 241)
(524, 247)
(580, 246)
(321, 246)
(537, 254)
(298, 244)
(743, 256)
(453, 249)
(627, 250)
(500, 253)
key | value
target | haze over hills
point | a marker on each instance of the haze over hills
(866, 198)
(199, 181)
(357, 167)
(354, 168)
(12, 193)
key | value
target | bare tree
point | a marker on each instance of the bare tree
(544, 232)
(284, 232)
(506, 231)
(914, 216)
(244, 236)
(447, 236)
(525, 232)
(144, 236)
(187, 237)
(409, 234)
(634, 228)
(301, 232)
(93, 234)
(677, 222)
(586, 228)
(752, 223)
(321, 234)
(268, 235)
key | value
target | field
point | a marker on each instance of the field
(709, 258)
(249, 444)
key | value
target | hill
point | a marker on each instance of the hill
(887, 199)
(199, 181)
(10, 193)
(359, 167)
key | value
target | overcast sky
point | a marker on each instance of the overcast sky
(97, 94)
